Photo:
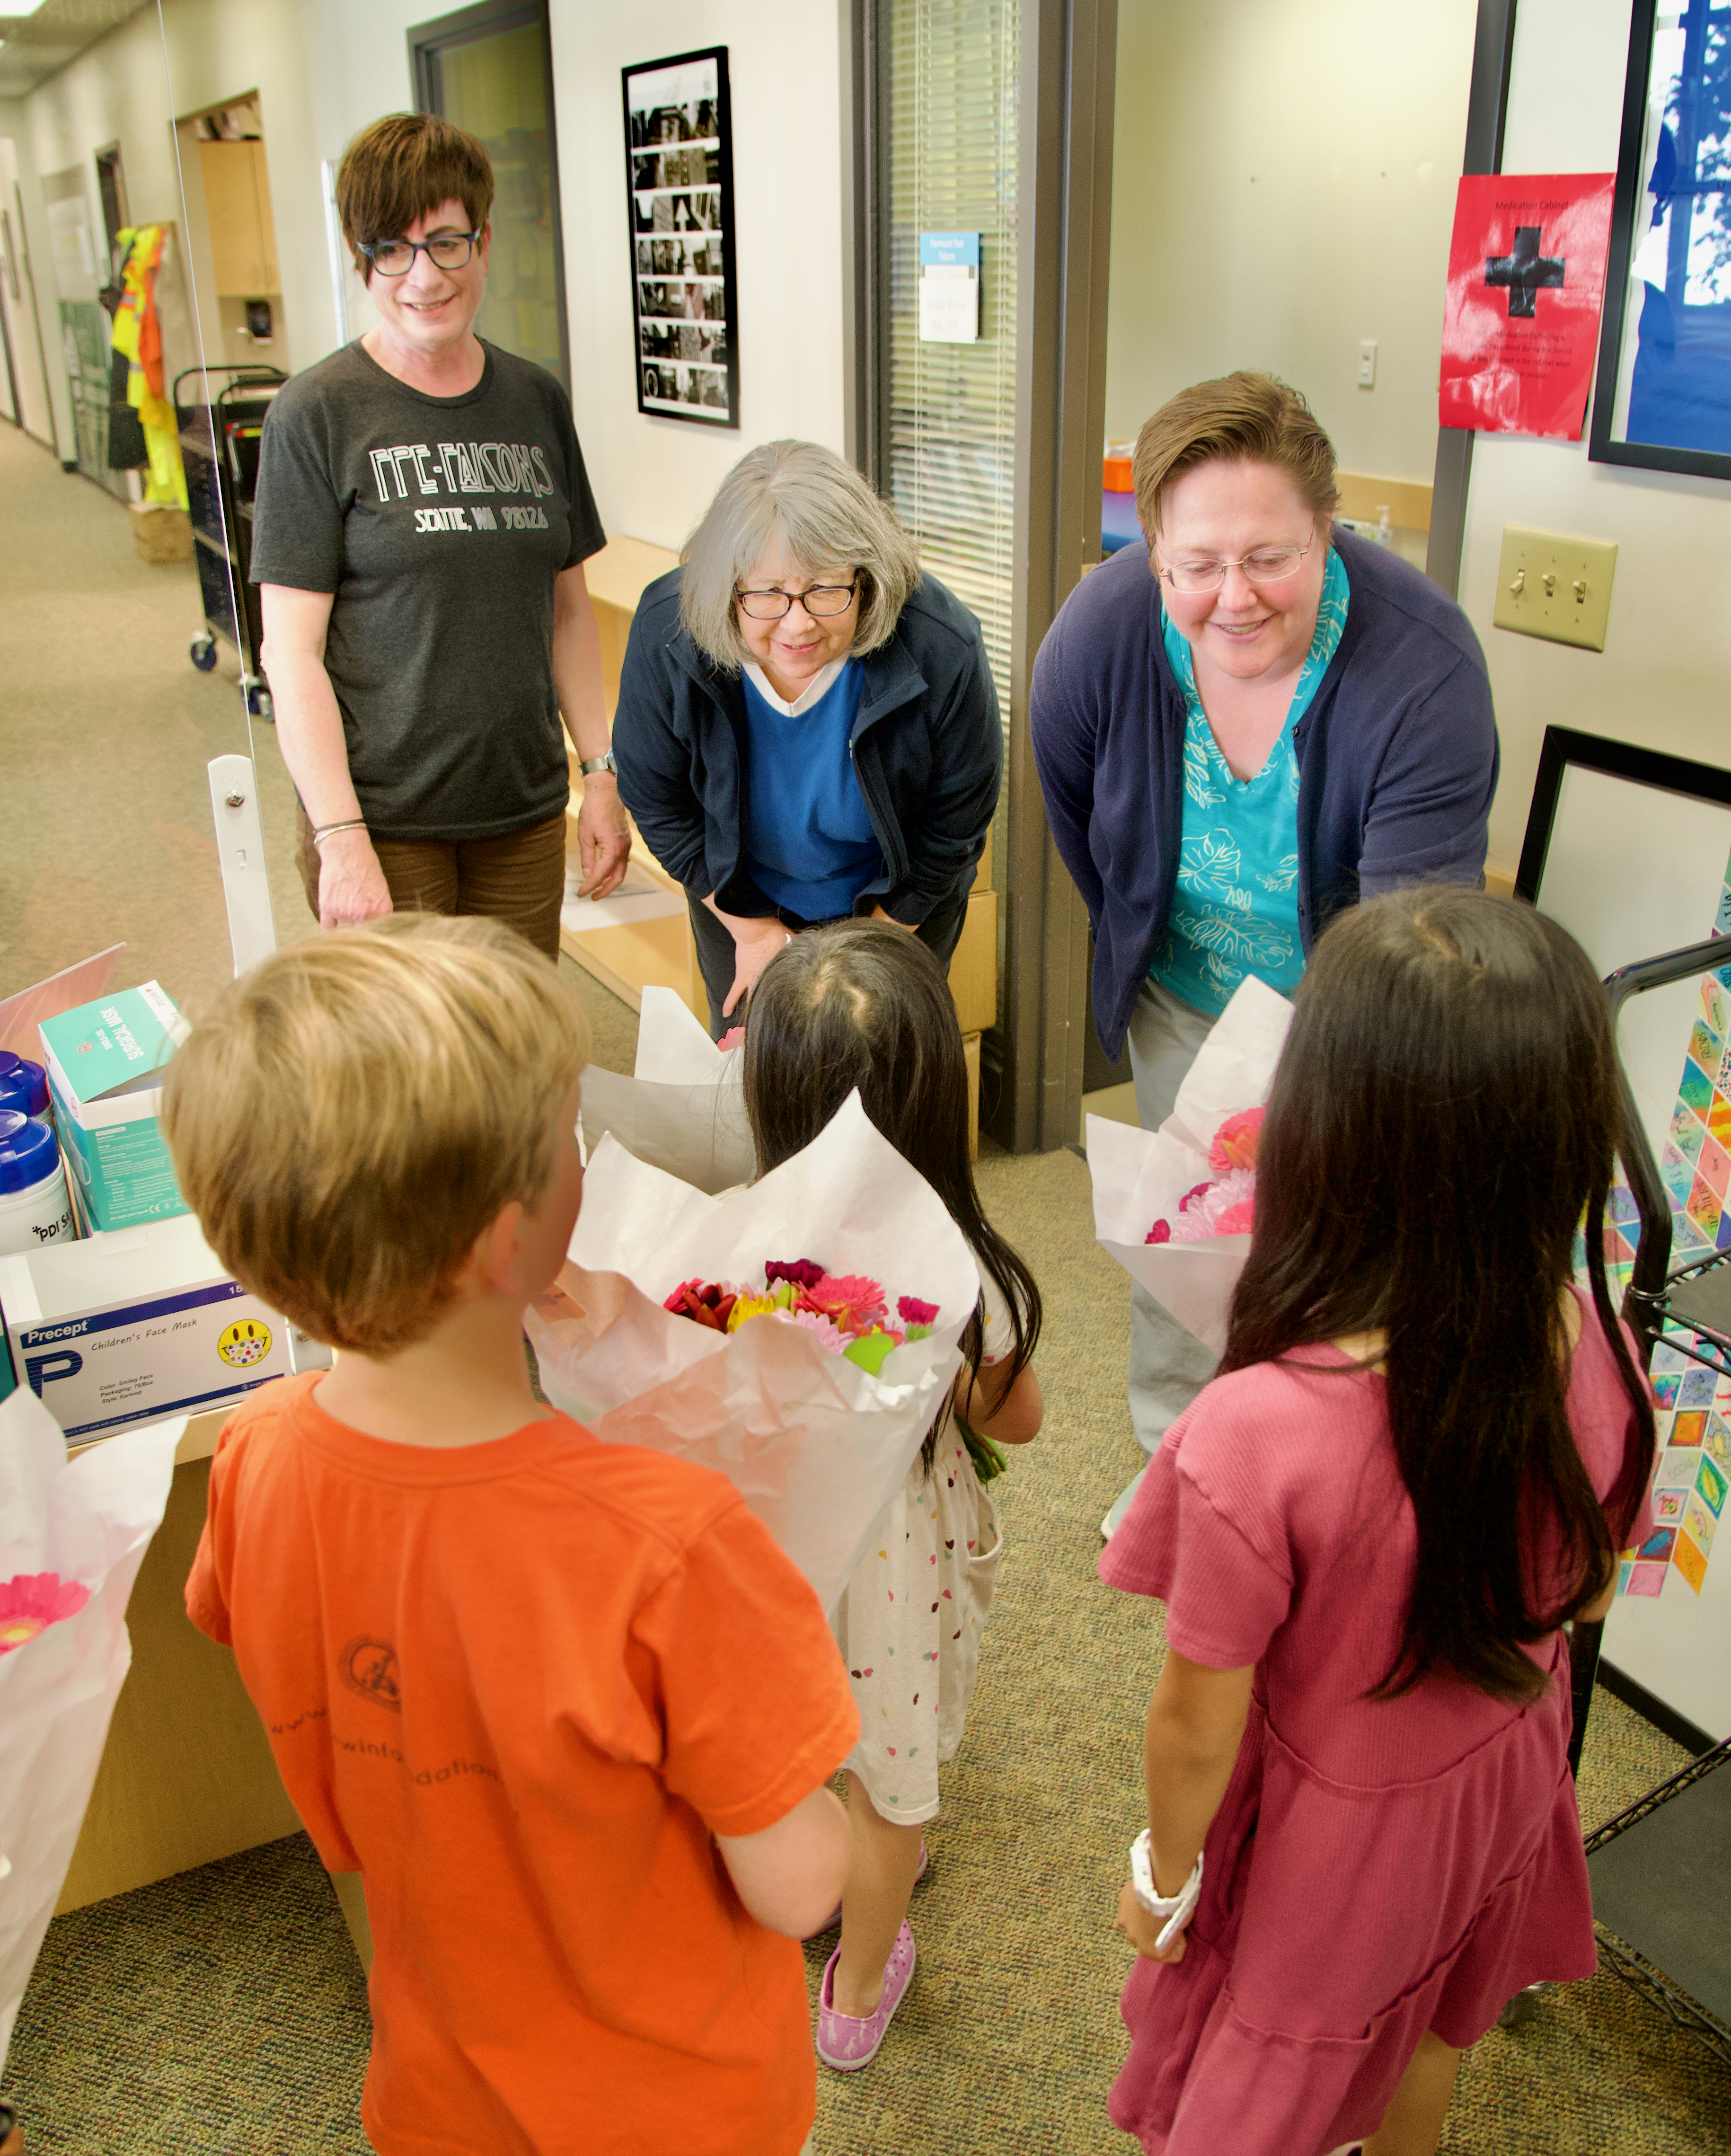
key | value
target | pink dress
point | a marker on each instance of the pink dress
(1374, 1870)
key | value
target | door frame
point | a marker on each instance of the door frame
(426, 40)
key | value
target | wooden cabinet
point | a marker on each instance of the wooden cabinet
(243, 233)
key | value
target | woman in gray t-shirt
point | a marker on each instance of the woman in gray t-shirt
(422, 521)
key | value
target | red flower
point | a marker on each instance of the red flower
(913, 1311)
(1161, 1232)
(799, 1272)
(705, 1303)
(31, 1601)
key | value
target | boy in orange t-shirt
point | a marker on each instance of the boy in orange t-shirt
(564, 1705)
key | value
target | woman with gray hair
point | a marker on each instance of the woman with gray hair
(807, 727)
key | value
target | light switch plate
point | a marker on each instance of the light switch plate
(1549, 584)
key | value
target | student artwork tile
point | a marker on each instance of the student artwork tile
(1692, 1403)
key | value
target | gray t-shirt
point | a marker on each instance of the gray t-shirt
(439, 524)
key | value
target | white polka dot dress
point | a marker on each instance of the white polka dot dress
(909, 1628)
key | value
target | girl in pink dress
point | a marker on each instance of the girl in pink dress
(1423, 1452)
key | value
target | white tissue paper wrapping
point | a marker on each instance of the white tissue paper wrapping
(683, 1109)
(1139, 1176)
(816, 1446)
(89, 1520)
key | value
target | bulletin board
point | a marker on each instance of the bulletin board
(1631, 851)
(680, 190)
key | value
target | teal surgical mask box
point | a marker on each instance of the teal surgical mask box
(138, 1325)
(105, 1061)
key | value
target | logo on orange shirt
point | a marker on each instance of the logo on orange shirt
(369, 1667)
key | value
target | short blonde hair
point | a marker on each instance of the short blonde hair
(825, 517)
(350, 1115)
(1241, 418)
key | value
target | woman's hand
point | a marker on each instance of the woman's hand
(352, 884)
(755, 944)
(1143, 1931)
(604, 836)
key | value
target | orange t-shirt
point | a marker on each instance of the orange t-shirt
(517, 1686)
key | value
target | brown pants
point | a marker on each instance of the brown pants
(519, 878)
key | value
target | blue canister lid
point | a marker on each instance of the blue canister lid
(24, 1084)
(27, 1152)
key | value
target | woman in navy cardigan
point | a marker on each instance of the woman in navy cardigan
(1240, 727)
(807, 727)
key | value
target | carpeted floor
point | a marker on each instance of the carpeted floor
(222, 2011)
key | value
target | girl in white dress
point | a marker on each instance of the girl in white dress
(864, 1004)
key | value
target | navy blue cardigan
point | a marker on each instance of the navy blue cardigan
(1397, 756)
(927, 745)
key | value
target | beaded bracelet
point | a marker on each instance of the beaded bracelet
(323, 831)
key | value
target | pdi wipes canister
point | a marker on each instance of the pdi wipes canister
(35, 1208)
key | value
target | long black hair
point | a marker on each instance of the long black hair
(1447, 1111)
(861, 1004)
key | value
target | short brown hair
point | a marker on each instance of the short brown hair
(350, 1115)
(1241, 418)
(404, 166)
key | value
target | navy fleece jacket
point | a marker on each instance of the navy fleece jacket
(926, 746)
(1397, 756)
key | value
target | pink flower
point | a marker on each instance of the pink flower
(31, 1601)
(913, 1311)
(853, 1301)
(1236, 1140)
(1204, 1213)
(827, 1333)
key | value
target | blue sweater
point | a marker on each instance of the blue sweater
(1397, 756)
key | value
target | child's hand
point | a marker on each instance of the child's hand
(1142, 1930)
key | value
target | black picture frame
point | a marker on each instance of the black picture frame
(680, 225)
(1630, 224)
(1564, 748)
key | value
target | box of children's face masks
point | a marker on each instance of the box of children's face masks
(138, 1325)
(106, 1062)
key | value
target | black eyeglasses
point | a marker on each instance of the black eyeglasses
(395, 257)
(818, 599)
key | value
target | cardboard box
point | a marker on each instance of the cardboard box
(104, 1062)
(136, 1326)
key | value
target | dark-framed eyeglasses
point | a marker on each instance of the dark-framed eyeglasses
(816, 599)
(395, 257)
(1267, 565)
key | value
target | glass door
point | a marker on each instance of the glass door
(489, 70)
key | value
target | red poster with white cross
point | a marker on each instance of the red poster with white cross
(1520, 330)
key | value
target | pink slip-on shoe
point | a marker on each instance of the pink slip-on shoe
(846, 2043)
(834, 1918)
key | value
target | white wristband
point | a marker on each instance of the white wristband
(1178, 1908)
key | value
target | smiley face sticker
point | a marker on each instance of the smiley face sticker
(245, 1342)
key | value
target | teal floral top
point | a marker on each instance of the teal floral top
(1235, 909)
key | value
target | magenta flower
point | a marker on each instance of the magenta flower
(31, 1601)
(913, 1311)
(799, 1272)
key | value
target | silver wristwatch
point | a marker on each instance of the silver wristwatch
(591, 764)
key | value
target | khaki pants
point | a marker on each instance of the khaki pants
(519, 878)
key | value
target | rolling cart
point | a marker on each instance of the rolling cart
(1660, 1870)
(219, 446)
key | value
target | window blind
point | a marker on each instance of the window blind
(950, 423)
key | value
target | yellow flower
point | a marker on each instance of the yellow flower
(746, 1305)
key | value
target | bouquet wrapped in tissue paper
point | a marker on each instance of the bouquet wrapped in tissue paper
(1194, 1177)
(72, 1535)
(683, 1108)
(815, 1442)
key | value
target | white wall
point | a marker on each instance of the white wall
(1283, 184)
(17, 185)
(1661, 681)
(653, 477)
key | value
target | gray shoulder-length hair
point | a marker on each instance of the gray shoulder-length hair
(826, 517)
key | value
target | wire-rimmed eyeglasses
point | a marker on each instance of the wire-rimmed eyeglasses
(395, 257)
(1267, 565)
(816, 599)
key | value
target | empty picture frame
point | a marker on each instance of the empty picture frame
(1629, 850)
(679, 194)
(1663, 399)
